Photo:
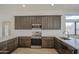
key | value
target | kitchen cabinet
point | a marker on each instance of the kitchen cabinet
(58, 45)
(23, 22)
(12, 44)
(36, 19)
(18, 22)
(8, 46)
(48, 22)
(1, 46)
(39, 20)
(33, 19)
(27, 24)
(47, 42)
(44, 22)
(4, 46)
(51, 22)
(24, 42)
(57, 22)
(64, 48)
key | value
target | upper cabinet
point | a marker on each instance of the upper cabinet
(17, 22)
(27, 22)
(48, 22)
(39, 20)
(23, 22)
(57, 22)
(44, 22)
(51, 22)
(36, 20)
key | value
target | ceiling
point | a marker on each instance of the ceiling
(39, 7)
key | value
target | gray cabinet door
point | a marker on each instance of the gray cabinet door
(44, 42)
(51, 22)
(44, 22)
(36, 19)
(24, 41)
(57, 22)
(33, 19)
(47, 42)
(18, 22)
(23, 22)
(28, 23)
(58, 46)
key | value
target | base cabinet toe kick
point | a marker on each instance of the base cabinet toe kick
(10, 45)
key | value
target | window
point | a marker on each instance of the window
(72, 18)
(6, 31)
(77, 28)
(70, 27)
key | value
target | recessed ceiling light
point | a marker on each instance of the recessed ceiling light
(52, 4)
(23, 5)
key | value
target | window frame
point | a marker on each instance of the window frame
(75, 28)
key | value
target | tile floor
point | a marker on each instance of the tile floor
(34, 51)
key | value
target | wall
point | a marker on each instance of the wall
(8, 15)
(4, 18)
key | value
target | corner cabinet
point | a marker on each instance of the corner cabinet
(64, 48)
(8, 46)
(12, 44)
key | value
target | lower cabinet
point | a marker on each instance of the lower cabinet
(8, 46)
(24, 42)
(1, 46)
(64, 48)
(58, 46)
(4, 46)
(12, 44)
(47, 42)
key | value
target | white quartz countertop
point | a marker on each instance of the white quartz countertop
(7, 38)
(74, 42)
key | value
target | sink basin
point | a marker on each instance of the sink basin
(64, 38)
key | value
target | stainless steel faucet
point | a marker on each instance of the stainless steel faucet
(67, 33)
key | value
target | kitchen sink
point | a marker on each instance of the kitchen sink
(65, 38)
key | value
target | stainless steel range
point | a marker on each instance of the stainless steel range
(36, 36)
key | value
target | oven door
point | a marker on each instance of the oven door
(36, 42)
